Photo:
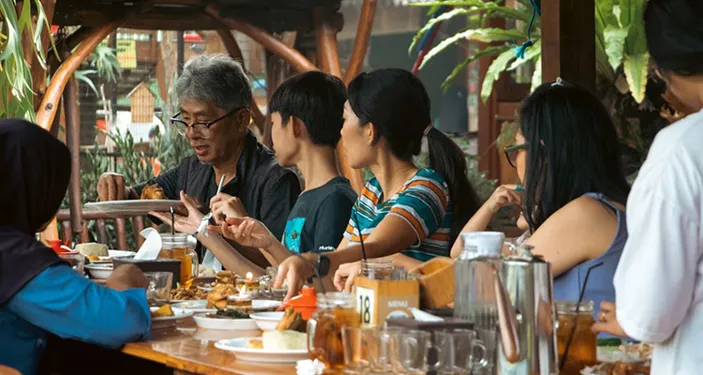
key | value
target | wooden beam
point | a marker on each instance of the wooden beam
(70, 42)
(236, 53)
(326, 38)
(293, 57)
(568, 42)
(361, 42)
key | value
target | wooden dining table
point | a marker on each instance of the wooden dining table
(188, 349)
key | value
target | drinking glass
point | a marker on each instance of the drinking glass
(158, 292)
(384, 351)
(377, 270)
(76, 261)
(415, 347)
(576, 318)
(457, 351)
(355, 344)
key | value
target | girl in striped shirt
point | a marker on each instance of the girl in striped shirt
(404, 213)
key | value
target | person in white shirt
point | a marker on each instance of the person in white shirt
(658, 283)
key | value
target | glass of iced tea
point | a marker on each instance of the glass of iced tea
(334, 311)
(582, 349)
(377, 270)
(177, 246)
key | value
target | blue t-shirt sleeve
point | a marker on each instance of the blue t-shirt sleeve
(62, 302)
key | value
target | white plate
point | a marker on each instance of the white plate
(120, 253)
(168, 321)
(195, 306)
(238, 347)
(203, 321)
(132, 207)
(267, 321)
(99, 271)
(265, 304)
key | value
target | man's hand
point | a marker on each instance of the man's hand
(126, 276)
(608, 322)
(245, 231)
(295, 271)
(111, 187)
(183, 224)
(224, 206)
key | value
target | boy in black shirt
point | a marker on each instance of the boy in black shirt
(306, 113)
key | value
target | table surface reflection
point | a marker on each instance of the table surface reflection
(187, 348)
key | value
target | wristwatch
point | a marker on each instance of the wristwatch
(323, 265)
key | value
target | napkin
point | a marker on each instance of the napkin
(309, 367)
(151, 247)
(422, 316)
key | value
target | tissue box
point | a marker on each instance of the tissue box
(436, 282)
(158, 265)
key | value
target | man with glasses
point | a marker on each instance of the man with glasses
(215, 96)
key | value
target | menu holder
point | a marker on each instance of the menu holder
(377, 300)
(436, 282)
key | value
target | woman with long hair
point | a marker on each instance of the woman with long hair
(659, 281)
(404, 213)
(567, 156)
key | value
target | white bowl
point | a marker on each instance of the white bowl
(267, 321)
(99, 271)
(203, 321)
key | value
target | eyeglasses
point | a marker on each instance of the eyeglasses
(512, 151)
(201, 127)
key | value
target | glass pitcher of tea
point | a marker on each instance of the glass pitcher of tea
(576, 319)
(334, 310)
(177, 246)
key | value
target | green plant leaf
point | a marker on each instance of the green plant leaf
(604, 13)
(452, 3)
(433, 21)
(485, 35)
(530, 54)
(522, 14)
(488, 51)
(614, 38)
(82, 75)
(537, 74)
(497, 67)
(636, 68)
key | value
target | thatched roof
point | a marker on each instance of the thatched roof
(272, 15)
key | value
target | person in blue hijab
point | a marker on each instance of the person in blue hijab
(40, 294)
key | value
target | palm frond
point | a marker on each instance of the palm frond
(488, 51)
(494, 70)
(485, 35)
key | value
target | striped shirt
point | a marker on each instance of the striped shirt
(423, 202)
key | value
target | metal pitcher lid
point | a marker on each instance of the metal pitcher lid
(524, 254)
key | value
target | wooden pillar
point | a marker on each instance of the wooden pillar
(361, 41)
(568, 42)
(326, 37)
(73, 128)
(488, 129)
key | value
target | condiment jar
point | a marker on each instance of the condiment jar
(334, 310)
(177, 246)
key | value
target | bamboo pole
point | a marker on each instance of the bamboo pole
(73, 131)
(49, 105)
(236, 53)
(293, 57)
(361, 42)
(326, 38)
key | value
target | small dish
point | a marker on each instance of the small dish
(205, 320)
(267, 321)
(99, 271)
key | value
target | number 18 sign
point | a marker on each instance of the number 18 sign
(376, 300)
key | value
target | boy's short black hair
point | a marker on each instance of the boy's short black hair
(317, 99)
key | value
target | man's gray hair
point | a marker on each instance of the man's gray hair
(215, 78)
